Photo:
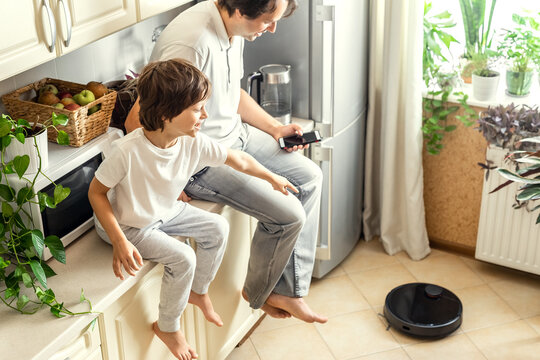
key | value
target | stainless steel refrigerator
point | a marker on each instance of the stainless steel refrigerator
(326, 44)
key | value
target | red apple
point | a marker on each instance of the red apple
(72, 106)
(64, 94)
(67, 100)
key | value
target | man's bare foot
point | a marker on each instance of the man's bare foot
(204, 303)
(176, 342)
(297, 307)
(270, 310)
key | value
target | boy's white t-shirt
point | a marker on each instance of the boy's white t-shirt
(148, 180)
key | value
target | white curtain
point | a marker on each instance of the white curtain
(393, 189)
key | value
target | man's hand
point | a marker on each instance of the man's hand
(184, 197)
(126, 255)
(287, 130)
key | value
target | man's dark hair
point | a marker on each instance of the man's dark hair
(255, 8)
(166, 88)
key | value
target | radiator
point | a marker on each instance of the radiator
(506, 236)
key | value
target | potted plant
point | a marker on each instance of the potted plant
(533, 23)
(478, 34)
(485, 83)
(23, 274)
(520, 48)
(37, 139)
(505, 126)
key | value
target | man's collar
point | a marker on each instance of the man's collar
(221, 31)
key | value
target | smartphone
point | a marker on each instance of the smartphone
(295, 140)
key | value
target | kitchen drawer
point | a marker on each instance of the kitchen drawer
(87, 346)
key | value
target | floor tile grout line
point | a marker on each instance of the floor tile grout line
(475, 346)
(504, 300)
(325, 343)
(254, 347)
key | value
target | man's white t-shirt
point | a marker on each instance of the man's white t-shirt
(148, 180)
(199, 36)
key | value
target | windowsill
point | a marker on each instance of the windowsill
(533, 99)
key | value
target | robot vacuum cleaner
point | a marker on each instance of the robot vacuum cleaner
(423, 310)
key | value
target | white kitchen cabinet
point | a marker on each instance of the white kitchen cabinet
(87, 346)
(40, 30)
(148, 8)
(126, 325)
(80, 22)
(27, 38)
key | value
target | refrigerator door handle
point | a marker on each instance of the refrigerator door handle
(322, 154)
(326, 14)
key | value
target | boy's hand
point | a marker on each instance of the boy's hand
(126, 254)
(281, 184)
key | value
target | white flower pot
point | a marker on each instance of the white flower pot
(15, 148)
(485, 88)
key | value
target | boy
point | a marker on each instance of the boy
(148, 170)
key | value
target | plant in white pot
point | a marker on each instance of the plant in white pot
(485, 81)
(23, 273)
(34, 136)
(477, 16)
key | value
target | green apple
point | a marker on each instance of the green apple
(85, 97)
(59, 105)
(77, 98)
(93, 109)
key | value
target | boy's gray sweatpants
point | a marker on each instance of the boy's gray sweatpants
(183, 269)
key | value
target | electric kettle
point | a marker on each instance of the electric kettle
(273, 90)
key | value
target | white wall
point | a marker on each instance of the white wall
(104, 60)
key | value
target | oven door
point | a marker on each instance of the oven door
(74, 215)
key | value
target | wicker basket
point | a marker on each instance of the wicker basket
(81, 127)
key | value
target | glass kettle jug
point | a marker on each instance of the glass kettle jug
(273, 90)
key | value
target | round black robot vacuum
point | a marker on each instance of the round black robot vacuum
(423, 310)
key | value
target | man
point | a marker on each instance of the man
(211, 36)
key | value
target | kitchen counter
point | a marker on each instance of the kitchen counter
(88, 266)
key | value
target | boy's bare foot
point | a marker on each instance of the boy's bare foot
(176, 342)
(204, 303)
(270, 310)
(297, 307)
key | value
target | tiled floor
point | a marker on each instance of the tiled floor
(501, 312)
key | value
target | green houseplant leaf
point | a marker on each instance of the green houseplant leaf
(60, 193)
(20, 164)
(38, 272)
(56, 247)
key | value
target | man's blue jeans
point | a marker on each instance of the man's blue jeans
(284, 244)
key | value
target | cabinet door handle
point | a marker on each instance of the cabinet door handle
(67, 16)
(52, 25)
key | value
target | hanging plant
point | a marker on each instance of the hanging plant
(23, 273)
(440, 85)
